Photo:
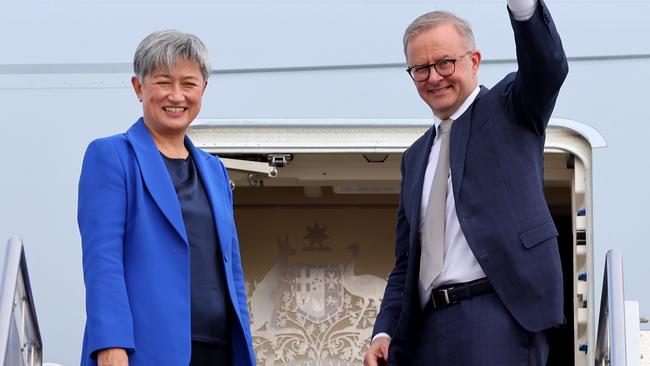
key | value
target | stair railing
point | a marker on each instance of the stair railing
(610, 339)
(20, 337)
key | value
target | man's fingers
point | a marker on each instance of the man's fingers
(384, 350)
(377, 354)
(370, 359)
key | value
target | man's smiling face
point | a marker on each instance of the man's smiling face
(444, 95)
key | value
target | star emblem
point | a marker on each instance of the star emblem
(316, 235)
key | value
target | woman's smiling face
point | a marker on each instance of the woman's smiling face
(171, 99)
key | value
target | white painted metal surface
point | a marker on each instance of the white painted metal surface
(339, 135)
(632, 333)
(644, 348)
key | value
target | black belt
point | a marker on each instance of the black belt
(453, 294)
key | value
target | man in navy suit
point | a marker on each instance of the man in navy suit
(495, 286)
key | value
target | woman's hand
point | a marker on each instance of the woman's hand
(112, 357)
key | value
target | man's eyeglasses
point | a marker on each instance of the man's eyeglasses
(444, 68)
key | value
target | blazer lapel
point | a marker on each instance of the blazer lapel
(419, 167)
(155, 175)
(210, 176)
(460, 132)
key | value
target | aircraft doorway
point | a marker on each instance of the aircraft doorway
(315, 205)
(317, 245)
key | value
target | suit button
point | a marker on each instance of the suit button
(225, 259)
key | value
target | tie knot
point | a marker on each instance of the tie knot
(445, 126)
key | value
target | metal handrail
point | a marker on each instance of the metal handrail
(610, 341)
(20, 337)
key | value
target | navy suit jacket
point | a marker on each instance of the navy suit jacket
(136, 253)
(497, 163)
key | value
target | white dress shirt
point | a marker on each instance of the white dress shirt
(522, 9)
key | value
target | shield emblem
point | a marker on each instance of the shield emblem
(317, 290)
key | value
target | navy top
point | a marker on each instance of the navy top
(210, 305)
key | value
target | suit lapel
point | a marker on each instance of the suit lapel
(460, 132)
(214, 189)
(155, 175)
(421, 154)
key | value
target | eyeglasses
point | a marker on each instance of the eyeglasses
(444, 68)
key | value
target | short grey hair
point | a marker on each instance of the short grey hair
(437, 18)
(165, 48)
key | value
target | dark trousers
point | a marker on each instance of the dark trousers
(207, 354)
(477, 332)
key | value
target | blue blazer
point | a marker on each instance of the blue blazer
(497, 163)
(136, 252)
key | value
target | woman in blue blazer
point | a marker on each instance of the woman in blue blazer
(163, 276)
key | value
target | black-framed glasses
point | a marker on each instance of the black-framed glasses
(444, 68)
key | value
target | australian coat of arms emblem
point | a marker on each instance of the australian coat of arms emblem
(316, 314)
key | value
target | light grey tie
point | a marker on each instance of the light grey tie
(433, 236)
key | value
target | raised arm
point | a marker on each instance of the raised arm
(542, 64)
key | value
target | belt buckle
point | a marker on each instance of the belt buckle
(446, 292)
(447, 302)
